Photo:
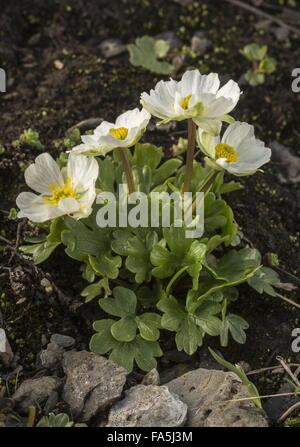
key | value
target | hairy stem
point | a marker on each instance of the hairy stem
(127, 170)
(190, 155)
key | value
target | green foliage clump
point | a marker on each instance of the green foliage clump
(262, 64)
(151, 281)
(29, 137)
(55, 420)
(146, 52)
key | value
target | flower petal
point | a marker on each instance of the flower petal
(43, 173)
(34, 208)
(83, 171)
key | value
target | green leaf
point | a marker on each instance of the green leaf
(237, 264)
(161, 48)
(107, 175)
(106, 265)
(93, 290)
(40, 252)
(165, 261)
(263, 280)
(254, 78)
(143, 54)
(165, 171)
(267, 65)
(148, 324)
(56, 228)
(238, 370)
(236, 326)
(181, 252)
(138, 260)
(123, 304)
(140, 350)
(254, 52)
(189, 336)
(230, 187)
(82, 241)
(147, 154)
(103, 341)
(173, 313)
(55, 420)
(124, 329)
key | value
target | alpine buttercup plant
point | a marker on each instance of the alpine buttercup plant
(150, 279)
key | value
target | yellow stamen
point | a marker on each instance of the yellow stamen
(61, 192)
(223, 150)
(185, 102)
(120, 133)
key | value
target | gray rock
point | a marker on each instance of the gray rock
(175, 371)
(275, 407)
(51, 402)
(290, 164)
(62, 340)
(112, 47)
(170, 37)
(6, 354)
(151, 378)
(178, 61)
(93, 383)
(148, 406)
(35, 391)
(281, 33)
(200, 43)
(203, 390)
(83, 126)
(51, 356)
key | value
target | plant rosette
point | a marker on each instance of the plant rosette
(151, 281)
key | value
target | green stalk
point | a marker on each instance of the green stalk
(127, 169)
(31, 416)
(190, 155)
(176, 276)
(206, 185)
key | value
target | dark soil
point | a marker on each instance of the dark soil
(49, 100)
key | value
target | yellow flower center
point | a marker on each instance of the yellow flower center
(223, 150)
(185, 102)
(61, 192)
(120, 133)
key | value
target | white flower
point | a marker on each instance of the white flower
(125, 132)
(195, 96)
(67, 191)
(239, 152)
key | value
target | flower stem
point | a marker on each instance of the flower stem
(127, 170)
(205, 186)
(176, 276)
(190, 155)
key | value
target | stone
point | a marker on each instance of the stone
(151, 378)
(62, 340)
(112, 47)
(290, 164)
(51, 356)
(93, 383)
(35, 392)
(204, 390)
(148, 406)
(6, 354)
(51, 402)
(170, 37)
(200, 43)
(85, 125)
(275, 407)
(175, 371)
